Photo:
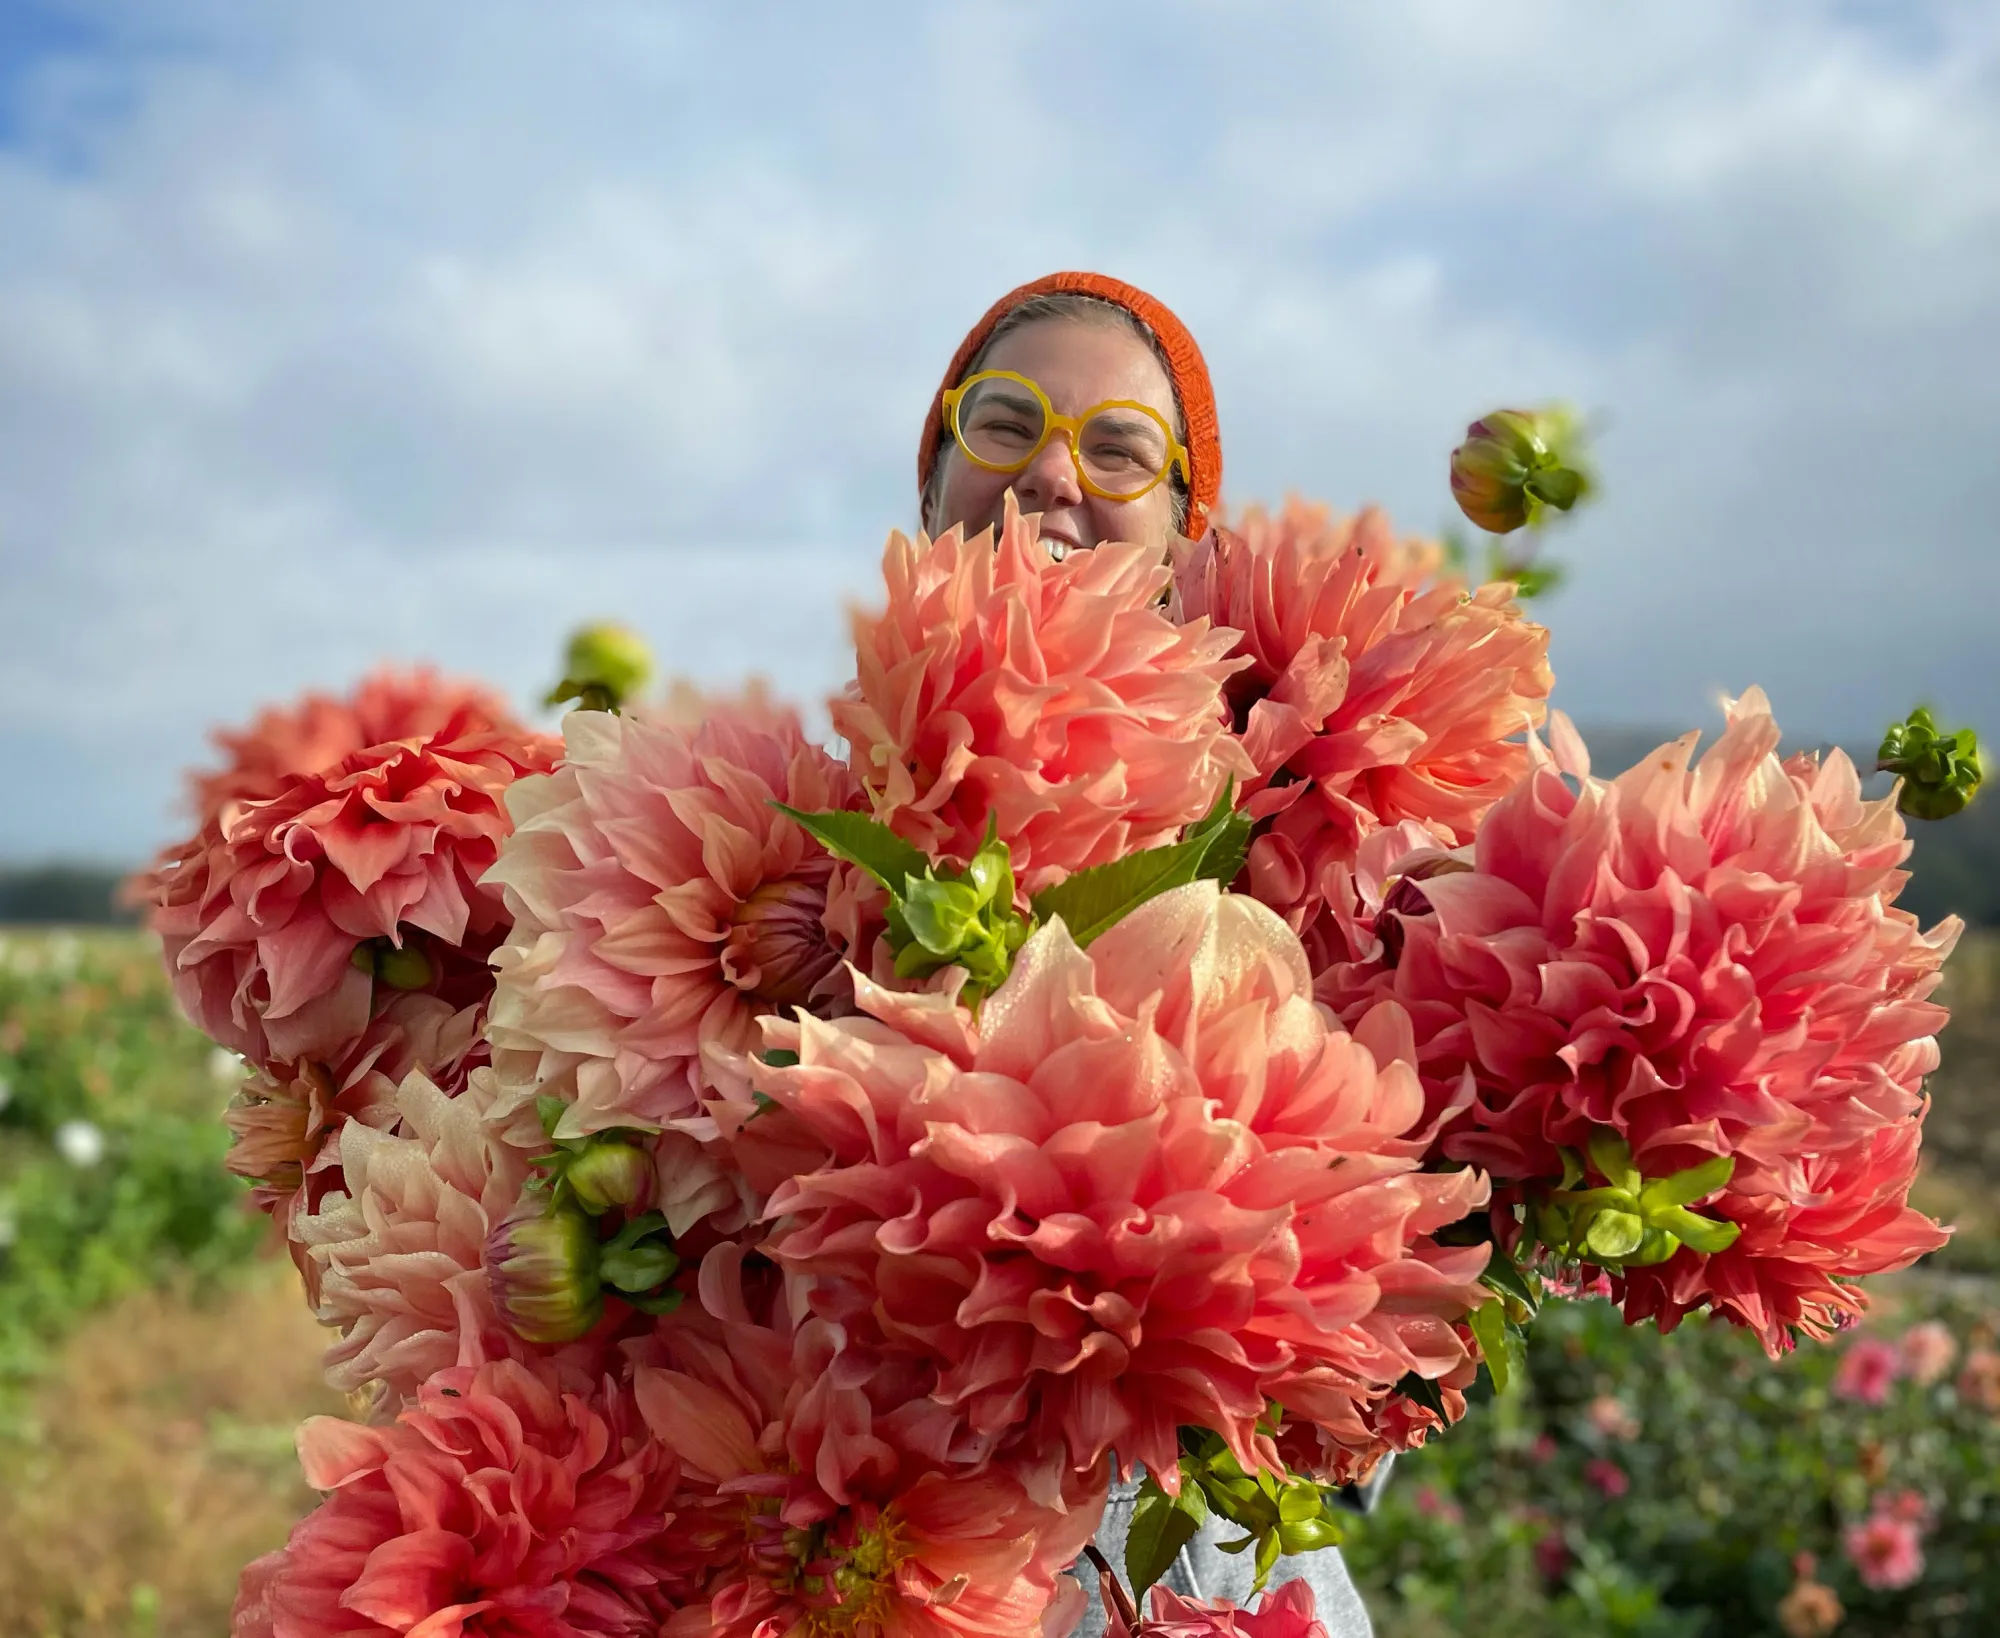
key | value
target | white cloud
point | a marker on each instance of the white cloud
(335, 333)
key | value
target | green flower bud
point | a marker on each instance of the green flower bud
(605, 666)
(544, 1272)
(407, 968)
(1514, 463)
(1941, 772)
(608, 1173)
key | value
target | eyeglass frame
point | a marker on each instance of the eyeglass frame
(1052, 423)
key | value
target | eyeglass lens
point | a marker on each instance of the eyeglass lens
(1121, 451)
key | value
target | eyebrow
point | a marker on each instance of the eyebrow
(1005, 399)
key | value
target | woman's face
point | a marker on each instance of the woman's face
(1079, 365)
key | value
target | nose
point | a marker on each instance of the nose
(1049, 481)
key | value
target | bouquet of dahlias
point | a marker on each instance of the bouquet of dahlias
(766, 1192)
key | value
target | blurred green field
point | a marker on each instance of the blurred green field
(154, 1358)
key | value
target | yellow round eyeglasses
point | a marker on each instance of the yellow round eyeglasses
(1121, 449)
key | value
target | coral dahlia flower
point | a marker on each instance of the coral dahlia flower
(1705, 958)
(284, 1123)
(1283, 1612)
(276, 915)
(1055, 696)
(399, 1243)
(1374, 694)
(505, 1502)
(1149, 1187)
(660, 907)
(813, 1522)
(318, 731)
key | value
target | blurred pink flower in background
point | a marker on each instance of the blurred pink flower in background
(1552, 1555)
(1543, 1450)
(1811, 1609)
(1868, 1370)
(1433, 1504)
(1908, 1506)
(1612, 1417)
(1887, 1553)
(1606, 1477)
(1928, 1351)
(1979, 1379)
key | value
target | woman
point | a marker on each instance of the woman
(1091, 401)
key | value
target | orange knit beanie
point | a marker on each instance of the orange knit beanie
(1184, 364)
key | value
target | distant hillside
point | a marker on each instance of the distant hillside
(78, 895)
(1955, 868)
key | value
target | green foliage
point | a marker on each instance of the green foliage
(111, 1142)
(1639, 1486)
(1094, 900)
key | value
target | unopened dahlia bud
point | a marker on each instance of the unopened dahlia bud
(609, 1173)
(407, 968)
(1941, 772)
(605, 666)
(1514, 463)
(544, 1271)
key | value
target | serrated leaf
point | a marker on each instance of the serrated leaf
(1095, 900)
(940, 915)
(1160, 1529)
(863, 841)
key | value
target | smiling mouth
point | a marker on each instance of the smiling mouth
(1060, 546)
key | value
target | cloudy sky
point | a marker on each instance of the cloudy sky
(337, 333)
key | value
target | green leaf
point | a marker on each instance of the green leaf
(778, 1058)
(1684, 1188)
(1704, 1234)
(1489, 1328)
(638, 1268)
(865, 842)
(1614, 1235)
(1612, 1156)
(655, 1303)
(1160, 1529)
(1504, 1275)
(1267, 1559)
(550, 1111)
(1095, 900)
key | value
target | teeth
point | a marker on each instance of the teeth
(1058, 549)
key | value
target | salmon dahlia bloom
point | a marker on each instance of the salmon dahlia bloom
(400, 1243)
(1283, 1612)
(264, 913)
(284, 1123)
(661, 906)
(505, 1502)
(1373, 695)
(809, 1520)
(1704, 958)
(319, 731)
(1149, 1187)
(1054, 696)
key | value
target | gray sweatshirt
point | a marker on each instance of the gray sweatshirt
(1203, 1570)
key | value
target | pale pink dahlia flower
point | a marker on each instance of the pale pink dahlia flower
(661, 906)
(1928, 1350)
(1283, 1612)
(1055, 696)
(318, 731)
(1149, 1187)
(1374, 695)
(808, 1519)
(1706, 959)
(284, 1123)
(261, 912)
(1868, 1370)
(399, 1245)
(505, 1502)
